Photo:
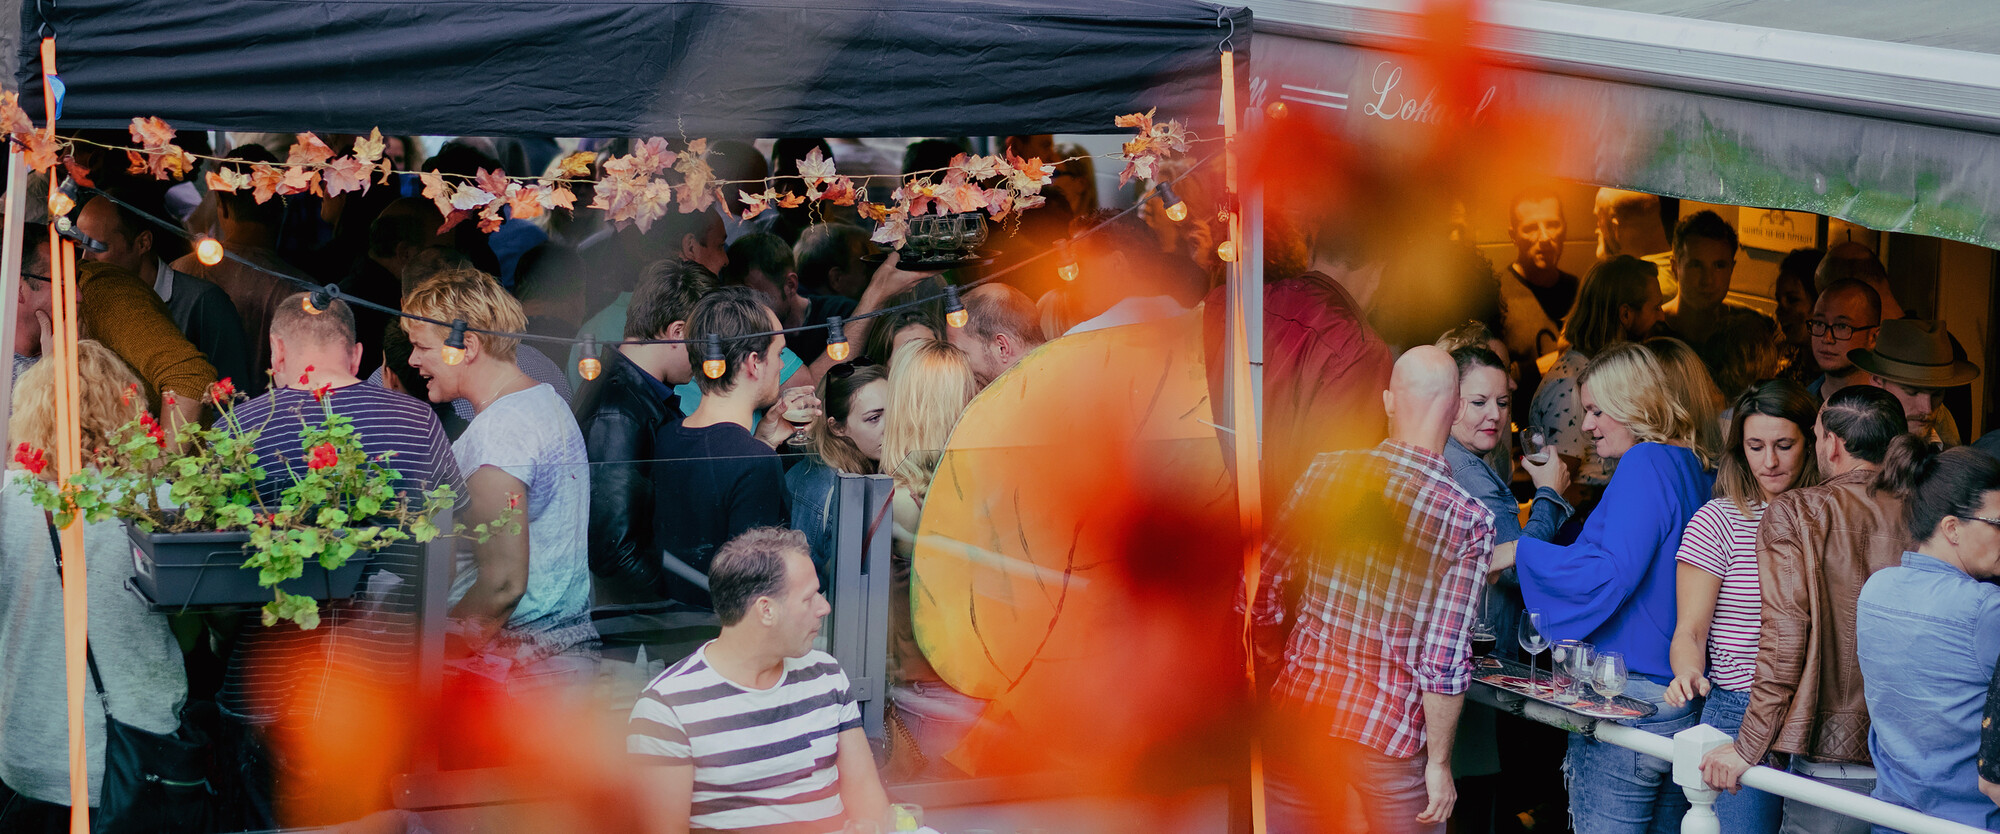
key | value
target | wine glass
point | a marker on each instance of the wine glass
(1609, 675)
(1485, 636)
(1574, 658)
(1533, 641)
(801, 419)
(1535, 444)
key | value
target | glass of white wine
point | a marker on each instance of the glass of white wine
(1609, 675)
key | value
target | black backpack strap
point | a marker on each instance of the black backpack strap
(89, 659)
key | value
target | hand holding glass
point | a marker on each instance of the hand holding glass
(1535, 444)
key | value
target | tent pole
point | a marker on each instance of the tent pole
(69, 455)
(10, 276)
(1243, 417)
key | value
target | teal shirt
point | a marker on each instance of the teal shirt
(609, 326)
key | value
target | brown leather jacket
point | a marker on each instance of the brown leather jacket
(1815, 548)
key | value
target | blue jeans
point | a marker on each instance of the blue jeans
(1748, 811)
(1304, 795)
(1613, 790)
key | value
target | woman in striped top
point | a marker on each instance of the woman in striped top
(1714, 651)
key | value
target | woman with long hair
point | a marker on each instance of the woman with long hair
(1614, 587)
(135, 648)
(1927, 631)
(930, 383)
(1688, 379)
(1714, 652)
(855, 397)
(1619, 301)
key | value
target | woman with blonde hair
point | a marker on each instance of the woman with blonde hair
(524, 601)
(930, 383)
(1688, 378)
(1618, 301)
(135, 649)
(1614, 587)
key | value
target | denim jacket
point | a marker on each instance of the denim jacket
(1927, 635)
(812, 484)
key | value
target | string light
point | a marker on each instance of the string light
(954, 310)
(1176, 210)
(589, 366)
(713, 365)
(836, 339)
(319, 300)
(208, 250)
(1067, 268)
(1226, 250)
(454, 344)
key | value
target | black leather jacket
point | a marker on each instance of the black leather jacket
(619, 414)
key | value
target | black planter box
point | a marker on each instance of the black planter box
(191, 570)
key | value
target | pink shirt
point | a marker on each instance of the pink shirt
(1723, 541)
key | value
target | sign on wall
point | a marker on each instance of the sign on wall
(1777, 230)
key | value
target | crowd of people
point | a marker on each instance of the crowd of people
(1759, 514)
(1771, 525)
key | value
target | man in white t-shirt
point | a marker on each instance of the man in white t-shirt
(756, 730)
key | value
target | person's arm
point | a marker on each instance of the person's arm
(621, 500)
(861, 790)
(1441, 732)
(1786, 545)
(1579, 586)
(1548, 509)
(888, 282)
(1696, 590)
(666, 797)
(503, 560)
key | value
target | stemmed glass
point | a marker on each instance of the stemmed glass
(1483, 633)
(1533, 641)
(1572, 668)
(1609, 675)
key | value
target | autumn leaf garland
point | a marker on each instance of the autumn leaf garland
(635, 189)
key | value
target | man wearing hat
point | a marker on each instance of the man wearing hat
(1912, 359)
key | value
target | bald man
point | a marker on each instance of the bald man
(1845, 318)
(1385, 556)
(1629, 223)
(1004, 327)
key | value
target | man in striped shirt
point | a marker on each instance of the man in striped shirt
(1387, 554)
(756, 731)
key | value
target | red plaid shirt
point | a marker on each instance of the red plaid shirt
(1387, 554)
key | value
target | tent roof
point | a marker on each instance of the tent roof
(1945, 24)
(741, 68)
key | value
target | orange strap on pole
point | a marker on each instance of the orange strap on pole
(1243, 405)
(69, 459)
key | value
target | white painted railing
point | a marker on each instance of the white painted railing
(1686, 748)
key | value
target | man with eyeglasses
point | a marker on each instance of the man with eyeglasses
(1844, 319)
(118, 309)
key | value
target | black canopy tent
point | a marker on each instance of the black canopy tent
(746, 68)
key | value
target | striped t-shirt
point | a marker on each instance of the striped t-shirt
(764, 760)
(369, 640)
(1723, 541)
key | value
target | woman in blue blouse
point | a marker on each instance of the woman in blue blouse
(1614, 588)
(1927, 632)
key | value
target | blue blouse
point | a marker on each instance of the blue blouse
(1614, 587)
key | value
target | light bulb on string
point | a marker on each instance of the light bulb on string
(589, 366)
(1276, 110)
(1226, 250)
(954, 310)
(713, 365)
(208, 250)
(318, 300)
(836, 339)
(1067, 268)
(1176, 210)
(454, 344)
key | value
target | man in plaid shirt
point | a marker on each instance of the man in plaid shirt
(1386, 555)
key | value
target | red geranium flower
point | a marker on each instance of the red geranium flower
(321, 392)
(30, 458)
(513, 500)
(221, 391)
(323, 456)
(305, 378)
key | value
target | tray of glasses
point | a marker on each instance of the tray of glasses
(909, 263)
(1502, 673)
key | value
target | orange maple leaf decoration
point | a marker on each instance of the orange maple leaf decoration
(42, 150)
(576, 165)
(369, 148)
(151, 132)
(264, 179)
(309, 150)
(525, 201)
(227, 180)
(347, 173)
(558, 197)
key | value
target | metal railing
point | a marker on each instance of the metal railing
(1685, 750)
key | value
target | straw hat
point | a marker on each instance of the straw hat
(1916, 353)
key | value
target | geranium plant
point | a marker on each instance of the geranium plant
(340, 502)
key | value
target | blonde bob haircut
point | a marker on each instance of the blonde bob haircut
(473, 297)
(1631, 386)
(930, 383)
(104, 383)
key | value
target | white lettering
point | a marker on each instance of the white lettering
(1390, 105)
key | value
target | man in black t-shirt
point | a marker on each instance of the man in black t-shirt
(712, 478)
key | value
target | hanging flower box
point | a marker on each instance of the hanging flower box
(176, 571)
